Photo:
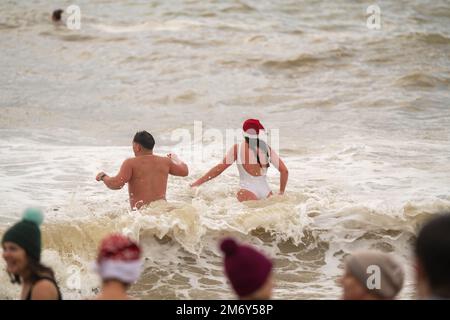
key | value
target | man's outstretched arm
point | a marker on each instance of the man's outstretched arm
(120, 179)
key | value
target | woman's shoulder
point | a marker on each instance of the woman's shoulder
(44, 282)
(44, 289)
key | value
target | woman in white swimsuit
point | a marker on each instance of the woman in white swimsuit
(253, 158)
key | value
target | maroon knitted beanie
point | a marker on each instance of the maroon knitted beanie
(246, 268)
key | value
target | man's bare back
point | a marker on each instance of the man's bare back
(146, 175)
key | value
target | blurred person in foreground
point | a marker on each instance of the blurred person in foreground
(371, 275)
(119, 265)
(248, 270)
(432, 255)
(22, 253)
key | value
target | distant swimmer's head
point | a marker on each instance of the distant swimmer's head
(119, 259)
(252, 128)
(249, 271)
(371, 275)
(57, 14)
(143, 142)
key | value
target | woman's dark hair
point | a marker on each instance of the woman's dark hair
(37, 271)
(257, 144)
(145, 139)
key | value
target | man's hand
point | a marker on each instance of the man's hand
(174, 158)
(177, 167)
(100, 176)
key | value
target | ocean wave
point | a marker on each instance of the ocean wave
(77, 37)
(171, 25)
(422, 80)
(180, 241)
(309, 59)
(285, 219)
(301, 60)
(190, 43)
(430, 38)
(239, 7)
(437, 10)
(8, 26)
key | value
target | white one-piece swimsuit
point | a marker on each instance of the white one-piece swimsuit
(255, 184)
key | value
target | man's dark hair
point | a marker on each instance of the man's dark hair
(145, 139)
(433, 251)
(56, 16)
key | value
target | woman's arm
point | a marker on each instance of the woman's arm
(279, 164)
(227, 161)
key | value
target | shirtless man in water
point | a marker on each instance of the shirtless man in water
(146, 173)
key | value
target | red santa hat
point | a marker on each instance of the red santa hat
(251, 128)
(119, 258)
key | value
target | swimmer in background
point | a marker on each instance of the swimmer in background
(57, 15)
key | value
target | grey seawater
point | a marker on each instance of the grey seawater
(362, 115)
